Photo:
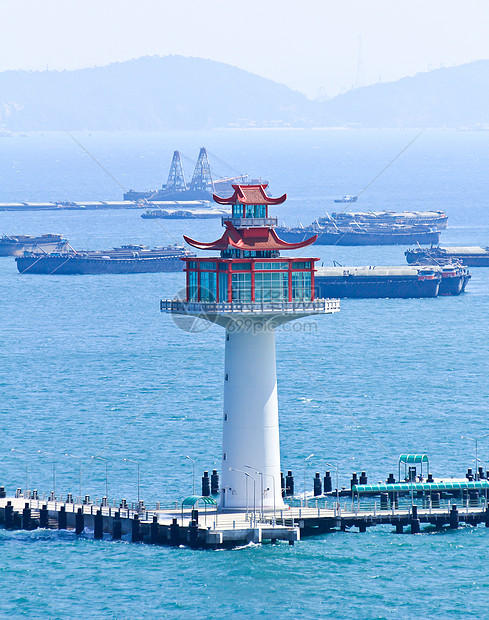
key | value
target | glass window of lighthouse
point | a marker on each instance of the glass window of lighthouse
(241, 286)
(301, 285)
(208, 286)
(271, 286)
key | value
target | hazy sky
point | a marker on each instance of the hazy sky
(310, 45)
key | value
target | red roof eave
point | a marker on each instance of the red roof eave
(250, 195)
(232, 238)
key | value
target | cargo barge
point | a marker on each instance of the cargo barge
(123, 260)
(16, 245)
(367, 235)
(390, 282)
(199, 214)
(437, 219)
(469, 256)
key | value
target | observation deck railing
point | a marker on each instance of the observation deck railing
(327, 306)
(250, 222)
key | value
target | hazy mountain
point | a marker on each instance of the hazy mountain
(191, 93)
(448, 97)
(149, 93)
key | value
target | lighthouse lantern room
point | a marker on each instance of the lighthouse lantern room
(250, 289)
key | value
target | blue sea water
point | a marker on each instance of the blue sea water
(89, 366)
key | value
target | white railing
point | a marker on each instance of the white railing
(258, 307)
(250, 222)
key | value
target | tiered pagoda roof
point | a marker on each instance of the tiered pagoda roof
(250, 195)
(254, 239)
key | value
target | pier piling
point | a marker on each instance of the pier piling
(454, 519)
(98, 525)
(44, 517)
(117, 527)
(62, 519)
(136, 529)
(79, 522)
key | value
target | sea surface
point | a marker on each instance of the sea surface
(90, 367)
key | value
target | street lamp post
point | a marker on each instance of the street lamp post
(193, 474)
(257, 471)
(54, 468)
(26, 466)
(136, 463)
(337, 485)
(254, 491)
(475, 440)
(71, 456)
(101, 458)
(305, 465)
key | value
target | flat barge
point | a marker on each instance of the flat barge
(469, 256)
(350, 236)
(101, 205)
(437, 219)
(124, 260)
(16, 245)
(390, 282)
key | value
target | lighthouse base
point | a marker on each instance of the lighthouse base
(251, 447)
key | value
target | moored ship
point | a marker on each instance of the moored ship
(390, 282)
(469, 256)
(381, 234)
(437, 219)
(16, 245)
(123, 260)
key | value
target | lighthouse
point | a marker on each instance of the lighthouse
(250, 289)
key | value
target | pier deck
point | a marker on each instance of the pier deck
(211, 529)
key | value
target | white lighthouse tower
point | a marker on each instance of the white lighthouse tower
(250, 290)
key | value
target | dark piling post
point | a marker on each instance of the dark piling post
(289, 483)
(354, 480)
(214, 482)
(44, 517)
(399, 528)
(9, 516)
(362, 526)
(136, 529)
(154, 531)
(282, 483)
(62, 519)
(390, 479)
(318, 487)
(193, 534)
(454, 517)
(195, 515)
(435, 500)
(384, 501)
(98, 525)
(415, 522)
(174, 533)
(79, 522)
(327, 482)
(26, 517)
(473, 498)
(3, 493)
(117, 526)
(206, 485)
(430, 478)
(363, 478)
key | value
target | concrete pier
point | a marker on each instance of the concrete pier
(214, 529)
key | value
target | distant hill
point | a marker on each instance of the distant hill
(149, 93)
(174, 92)
(448, 97)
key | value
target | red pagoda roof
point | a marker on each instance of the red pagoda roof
(250, 195)
(249, 239)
